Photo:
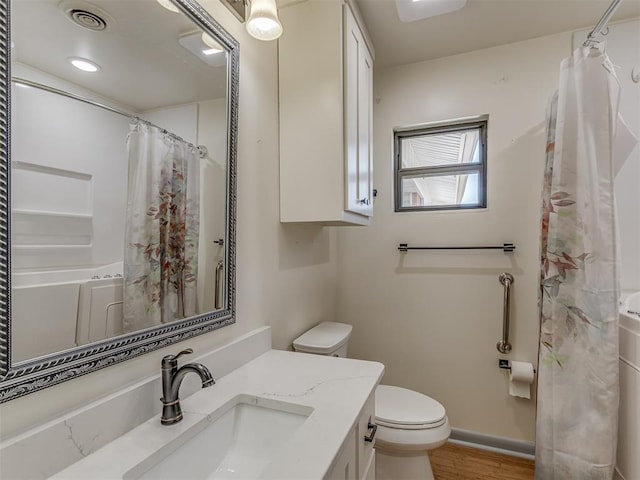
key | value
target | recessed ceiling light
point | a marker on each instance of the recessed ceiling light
(169, 6)
(412, 10)
(84, 64)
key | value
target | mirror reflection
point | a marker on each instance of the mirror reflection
(119, 171)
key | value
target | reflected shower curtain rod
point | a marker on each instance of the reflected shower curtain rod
(202, 150)
(597, 30)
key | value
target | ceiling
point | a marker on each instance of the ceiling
(480, 24)
(142, 64)
(141, 49)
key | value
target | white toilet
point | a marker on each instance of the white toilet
(409, 423)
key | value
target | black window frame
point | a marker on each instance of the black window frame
(472, 123)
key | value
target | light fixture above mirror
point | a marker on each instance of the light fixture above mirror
(237, 7)
(262, 22)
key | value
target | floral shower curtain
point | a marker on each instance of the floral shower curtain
(577, 409)
(161, 236)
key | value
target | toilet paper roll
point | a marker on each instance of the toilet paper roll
(520, 379)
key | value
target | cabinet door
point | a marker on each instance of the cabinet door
(370, 471)
(358, 97)
(365, 125)
(344, 468)
(366, 451)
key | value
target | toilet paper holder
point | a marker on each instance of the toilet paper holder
(506, 364)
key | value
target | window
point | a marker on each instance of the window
(441, 166)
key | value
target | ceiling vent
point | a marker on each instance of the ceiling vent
(86, 15)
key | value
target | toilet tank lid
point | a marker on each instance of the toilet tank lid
(400, 406)
(323, 338)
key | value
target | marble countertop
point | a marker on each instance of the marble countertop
(335, 388)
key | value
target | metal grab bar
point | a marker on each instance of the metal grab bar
(506, 247)
(217, 296)
(503, 345)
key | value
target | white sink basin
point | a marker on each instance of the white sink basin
(248, 433)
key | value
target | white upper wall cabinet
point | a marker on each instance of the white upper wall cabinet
(326, 107)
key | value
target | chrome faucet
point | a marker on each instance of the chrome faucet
(172, 377)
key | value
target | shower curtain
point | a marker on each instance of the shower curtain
(577, 408)
(161, 235)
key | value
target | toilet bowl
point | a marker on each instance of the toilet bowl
(409, 423)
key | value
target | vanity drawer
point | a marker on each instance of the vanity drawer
(366, 437)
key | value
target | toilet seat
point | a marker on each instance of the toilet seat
(405, 440)
(411, 427)
(400, 408)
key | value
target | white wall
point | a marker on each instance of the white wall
(434, 318)
(181, 120)
(68, 204)
(285, 274)
(212, 128)
(82, 167)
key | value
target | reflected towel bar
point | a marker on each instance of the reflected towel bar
(506, 247)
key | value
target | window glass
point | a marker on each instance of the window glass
(442, 166)
(440, 190)
(441, 149)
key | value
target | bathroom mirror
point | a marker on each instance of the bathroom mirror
(117, 234)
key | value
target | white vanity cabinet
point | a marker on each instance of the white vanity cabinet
(326, 106)
(312, 417)
(344, 467)
(356, 460)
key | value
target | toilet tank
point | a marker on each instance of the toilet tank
(326, 338)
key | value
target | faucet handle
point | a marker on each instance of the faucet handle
(172, 360)
(186, 351)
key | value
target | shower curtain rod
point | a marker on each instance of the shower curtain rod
(202, 150)
(597, 30)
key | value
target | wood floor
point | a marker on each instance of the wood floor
(453, 462)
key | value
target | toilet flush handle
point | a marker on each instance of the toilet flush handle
(373, 428)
